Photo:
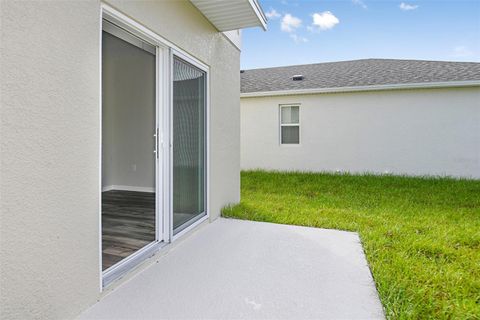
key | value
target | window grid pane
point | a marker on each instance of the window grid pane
(290, 115)
(290, 134)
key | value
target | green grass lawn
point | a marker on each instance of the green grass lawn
(421, 235)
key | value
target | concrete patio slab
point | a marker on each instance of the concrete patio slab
(232, 269)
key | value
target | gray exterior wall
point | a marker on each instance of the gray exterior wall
(413, 132)
(50, 132)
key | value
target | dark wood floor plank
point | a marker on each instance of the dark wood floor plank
(128, 224)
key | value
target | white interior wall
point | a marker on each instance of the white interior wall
(414, 132)
(128, 118)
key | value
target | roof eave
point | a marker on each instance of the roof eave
(424, 85)
(232, 15)
(262, 18)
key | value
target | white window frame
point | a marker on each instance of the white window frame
(281, 106)
(164, 82)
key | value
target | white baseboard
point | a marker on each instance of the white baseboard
(128, 188)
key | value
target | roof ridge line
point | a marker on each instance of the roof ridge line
(355, 60)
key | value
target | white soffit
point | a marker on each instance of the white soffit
(228, 15)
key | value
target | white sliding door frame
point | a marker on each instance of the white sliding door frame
(189, 59)
(126, 32)
(165, 51)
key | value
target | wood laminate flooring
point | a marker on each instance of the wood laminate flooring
(128, 224)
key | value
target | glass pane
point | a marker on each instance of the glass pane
(188, 144)
(290, 115)
(128, 162)
(290, 135)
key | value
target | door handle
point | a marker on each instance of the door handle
(156, 137)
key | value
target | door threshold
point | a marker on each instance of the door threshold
(123, 267)
(190, 225)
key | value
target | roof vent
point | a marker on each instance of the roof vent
(298, 77)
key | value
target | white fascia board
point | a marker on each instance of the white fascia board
(426, 85)
(259, 12)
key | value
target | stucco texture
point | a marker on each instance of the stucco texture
(413, 132)
(50, 133)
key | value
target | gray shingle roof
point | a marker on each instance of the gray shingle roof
(356, 73)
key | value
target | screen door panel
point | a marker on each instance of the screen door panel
(189, 152)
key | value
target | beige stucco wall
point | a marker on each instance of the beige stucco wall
(50, 101)
(415, 132)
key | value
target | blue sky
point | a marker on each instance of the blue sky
(310, 31)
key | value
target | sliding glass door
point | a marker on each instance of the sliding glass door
(189, 144)
(151, 189)
(129, 218)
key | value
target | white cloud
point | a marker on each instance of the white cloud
(272, 14)
(323, 21)
(462, 52)
(360, 3)
(290, 3)
(298, 39)
(290, 23)
(407, 7)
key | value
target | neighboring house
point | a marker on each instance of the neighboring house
(375, 115)
(120, 132)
